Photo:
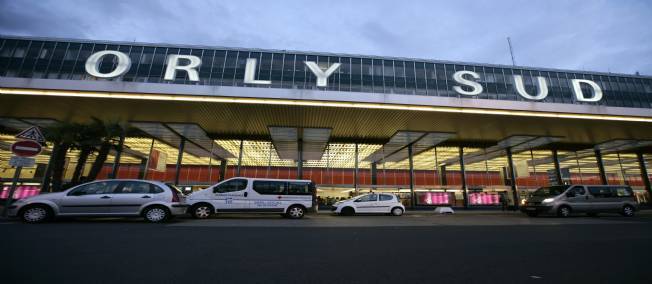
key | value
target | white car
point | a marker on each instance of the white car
(370, 203)
(290, 198)
(155, 201)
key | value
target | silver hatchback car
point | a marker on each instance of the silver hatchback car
(563, 200)
(155, 201)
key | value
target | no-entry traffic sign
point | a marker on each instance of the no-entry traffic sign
(26, 148)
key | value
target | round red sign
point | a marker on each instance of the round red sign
(26, 148)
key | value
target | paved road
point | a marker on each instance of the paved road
(418, 248)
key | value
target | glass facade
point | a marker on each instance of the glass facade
(44, 59)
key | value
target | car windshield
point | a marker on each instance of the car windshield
(174, 187)
(550, 191)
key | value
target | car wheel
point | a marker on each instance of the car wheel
(532, 214)
(628, 211)
(347, 211)
(397, 211)
(564, 211)
(156, 214)
(36, 214)
(296, 212)
(201, 211)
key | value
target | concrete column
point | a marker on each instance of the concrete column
(118, 156)
(411, 163)
(237, 172)
(603, 174)
(442, 175)
(512, 177)
(644, 174)
(374, 173)
(182, 145)
(222, 169)
(355, 170)
(465, 192)
(555, 161)
(300, 161)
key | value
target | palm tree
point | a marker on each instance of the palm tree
(110, 131)
(88, 138)
(63, 136)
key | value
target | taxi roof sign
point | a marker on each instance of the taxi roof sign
(33, 133)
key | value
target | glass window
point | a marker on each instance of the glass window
(136, 187)
(103, 187)
(623, 192)
(368, 198)
(299, 188)
(579, 190)
(231, 185)
(386, 197)
(600, 191)
(270, 187)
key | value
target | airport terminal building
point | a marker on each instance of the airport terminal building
(434, 132)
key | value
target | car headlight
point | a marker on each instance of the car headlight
(548, 200)
(523, 201)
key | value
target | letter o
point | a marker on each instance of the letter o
(93, 64)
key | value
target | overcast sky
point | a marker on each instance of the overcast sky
(597, 35)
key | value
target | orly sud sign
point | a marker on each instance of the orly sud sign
(190, 63)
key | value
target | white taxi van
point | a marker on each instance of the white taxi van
(290, 198)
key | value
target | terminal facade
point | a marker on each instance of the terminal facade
(433, 132)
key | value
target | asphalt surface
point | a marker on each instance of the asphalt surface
(464, 248)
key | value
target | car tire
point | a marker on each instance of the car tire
(202, 211)
(295, 212)
(564, 211)
(532, 214)
(156, 214)
(397, 211)
(37, 213)
(628, 211)
(347, 211)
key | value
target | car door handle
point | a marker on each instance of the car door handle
(105, 197)
(146, 196)
(246, 193)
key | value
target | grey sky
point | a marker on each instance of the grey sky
(598, 35)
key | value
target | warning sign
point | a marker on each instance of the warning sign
(33, 133)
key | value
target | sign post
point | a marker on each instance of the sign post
(24, 151)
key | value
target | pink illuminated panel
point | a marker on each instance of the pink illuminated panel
(484, 198)
(22, 191)
(433, 198)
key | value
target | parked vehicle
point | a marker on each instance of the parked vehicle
(370, 203)
(290, 198)
(155, 201)
(564, 200)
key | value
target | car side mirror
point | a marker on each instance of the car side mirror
(570, 194)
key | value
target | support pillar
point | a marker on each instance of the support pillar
(603, 174)
(644, 174)
(442, 175)
(555, 161)
(512, 177)
(142, 169)
(355, 172)
(300, 161)
(182, 145)
(222, 169)
(413, 197)
(237, 172)
(374, 173)
(118, 156)
(465, 192)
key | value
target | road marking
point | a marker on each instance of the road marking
(535, 277)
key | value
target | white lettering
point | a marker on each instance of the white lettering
(93, 64)
(458, 77)
(173, 66)
(579, 95)
(520, 88)
(322, 76)
(249, 76)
